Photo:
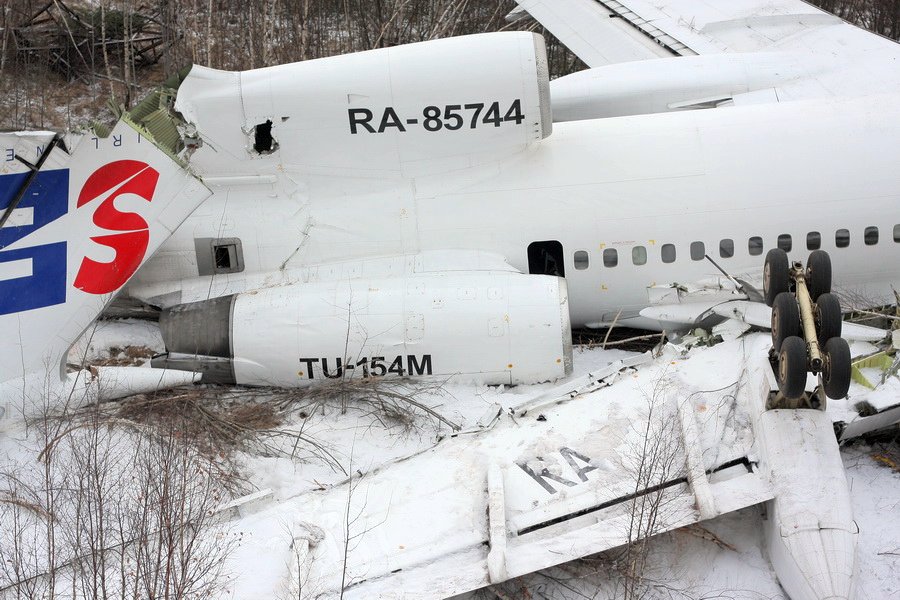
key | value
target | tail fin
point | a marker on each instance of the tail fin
(75, 225)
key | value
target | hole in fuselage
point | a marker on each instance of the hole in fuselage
(263, 142)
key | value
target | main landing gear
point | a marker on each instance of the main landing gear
(806, 327)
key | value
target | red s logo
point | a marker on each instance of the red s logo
(113, 180)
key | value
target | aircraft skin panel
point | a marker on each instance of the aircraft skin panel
(626, 185)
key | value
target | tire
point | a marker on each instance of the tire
(776, 274)
(818, 274)
(792, 367)
(836, 372)
(785, 319)
(828, 318)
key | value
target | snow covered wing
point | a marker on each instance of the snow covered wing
(760, 315)
(551, 483)
(606, 32)
(709, 26)
(703, 313)
(588, 31)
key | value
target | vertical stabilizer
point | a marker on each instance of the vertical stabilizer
(79, 217)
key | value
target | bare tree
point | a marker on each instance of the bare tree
(655, 461)
(115, 513)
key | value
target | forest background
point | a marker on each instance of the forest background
(64, 63)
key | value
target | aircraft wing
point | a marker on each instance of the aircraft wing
(612, 31)
(760, 315)
(544, 484)
(696, 314)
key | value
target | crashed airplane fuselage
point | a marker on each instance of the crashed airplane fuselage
(410, 187)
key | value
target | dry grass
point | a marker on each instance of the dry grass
(129, 356)
(221, 420)
(888, 457)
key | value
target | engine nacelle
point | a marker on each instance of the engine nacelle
(678, 83)
(418, 108)
(487, 327)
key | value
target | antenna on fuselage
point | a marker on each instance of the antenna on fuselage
(751, 292)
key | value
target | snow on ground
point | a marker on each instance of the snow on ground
(725, 555)
(875, 492)
(108, 340)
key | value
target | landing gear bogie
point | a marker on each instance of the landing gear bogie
(806, 326)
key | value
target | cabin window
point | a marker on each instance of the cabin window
(546, 258)
(897, 233)
(639, 255)
(726, 248)
(581, 260)
(698, 250)
(842, 238)
(813, 240)
(870, 236)
(668, 253)
(785, 242)
(755, 246)
(610, 257)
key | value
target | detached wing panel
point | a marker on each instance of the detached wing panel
(558, 482)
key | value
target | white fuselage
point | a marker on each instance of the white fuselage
(645, 181)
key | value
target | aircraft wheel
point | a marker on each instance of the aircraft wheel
(828, 318)
(818, 274)
(785, 319)
(776, 274)
(792, 367)
(836, 368)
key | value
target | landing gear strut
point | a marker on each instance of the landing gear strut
(806, 327)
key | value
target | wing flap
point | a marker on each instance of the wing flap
(694, 314)
(734, 26)
(552, 548)
(611, 31)
(590, 30)
(468, 569)
(760, 315)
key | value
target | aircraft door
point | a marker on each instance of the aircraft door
(546, 258)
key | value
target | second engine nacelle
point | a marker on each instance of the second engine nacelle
(487, 327)
(415, 109)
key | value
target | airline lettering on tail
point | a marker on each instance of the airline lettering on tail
(114, 180)
(35, 277)
(44, 281)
